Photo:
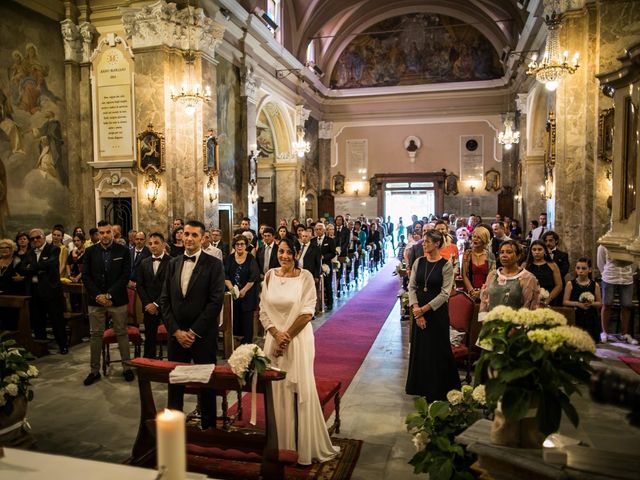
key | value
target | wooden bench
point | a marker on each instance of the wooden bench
(329, 390)
(23, 335)
(78, 320)
(208, 450)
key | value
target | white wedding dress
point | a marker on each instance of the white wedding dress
(283, 300)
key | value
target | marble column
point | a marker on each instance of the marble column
(287, 181)
(249, 87)
(326, 199)
(160, 35)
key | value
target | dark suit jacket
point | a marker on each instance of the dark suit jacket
(272, 261)
(327, 249)
(47, 270)
(199, 309)
(149, 286)
(562, 260)
(224, 247)
(342, 240)
(135, 261)
(114, 281)
(312, 260)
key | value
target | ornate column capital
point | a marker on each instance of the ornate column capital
(302, 115)
(324, 130)
(249, 83)
(163, 24)
(72, 41)
(89, 35)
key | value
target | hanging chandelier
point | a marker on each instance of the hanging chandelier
(509, 137)
(301, 146)
(553, 66)
(190, 95)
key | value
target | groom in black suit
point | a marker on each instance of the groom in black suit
(190, 304)
(151, 276)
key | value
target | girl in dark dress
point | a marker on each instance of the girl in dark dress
(587, 312)
(23, 244)
(241, 270)
(176, 247)
(546, 271)
(432, 368)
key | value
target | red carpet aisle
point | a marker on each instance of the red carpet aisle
(344, 340)
(632, 362)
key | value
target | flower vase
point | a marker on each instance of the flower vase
(13, 429)
(523, 433)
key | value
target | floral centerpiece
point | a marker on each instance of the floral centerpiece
(15, 375)
(247, 362)
(532, 363)
(434, 427)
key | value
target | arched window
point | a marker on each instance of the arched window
(274, 10)
(311, 53)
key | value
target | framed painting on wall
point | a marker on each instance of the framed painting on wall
(210, 154)
(605, 140)
(150, 150)
(451, 184)
(492, 180)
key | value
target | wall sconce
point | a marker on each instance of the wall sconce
(253, 191)
(212, 188)
(473, 184)
(152, 184)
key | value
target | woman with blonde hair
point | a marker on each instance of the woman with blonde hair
(477, 262)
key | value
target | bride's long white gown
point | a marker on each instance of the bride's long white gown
(283, 300)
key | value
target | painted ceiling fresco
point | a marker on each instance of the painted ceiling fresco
(416, 49)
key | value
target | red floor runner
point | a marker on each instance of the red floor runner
(633, 362)
(343, 341)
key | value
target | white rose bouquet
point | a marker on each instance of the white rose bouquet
(544, 295)
(325, 269)
(235, 292)
(247, 362)
(15, 374)
(586, 297)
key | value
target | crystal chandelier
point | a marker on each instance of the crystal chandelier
(301, 146)
(190, 95)
(508, 138)
(553, 66)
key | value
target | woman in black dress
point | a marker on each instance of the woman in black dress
(546, 271)
(9, 283)
(176, 246)
(432, 368)
(587, 309)
(241, 270)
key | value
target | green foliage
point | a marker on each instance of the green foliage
(434, 427)
(15, 374)
(521, 373)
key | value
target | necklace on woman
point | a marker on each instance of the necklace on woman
(427, 274)
(284, 275)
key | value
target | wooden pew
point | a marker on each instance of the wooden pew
(23, 335)
(225, 329)
(79, 320)
(264, 444)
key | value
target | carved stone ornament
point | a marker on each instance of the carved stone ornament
(72, 41)
(324, 132)
(89, 35)
(163, 24)
(249, 83)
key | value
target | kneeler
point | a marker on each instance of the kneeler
(209, 450)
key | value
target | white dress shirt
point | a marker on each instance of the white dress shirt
(213, 251)
(303, 252)
(187, 270)
(156, 264)
(267, 257)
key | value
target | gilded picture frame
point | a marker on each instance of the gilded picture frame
(150, 151)
(451, 184)
(492, 180)
(605, 134)
(338, 183)
(210, 154)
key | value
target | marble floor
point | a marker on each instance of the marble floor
(100, 422)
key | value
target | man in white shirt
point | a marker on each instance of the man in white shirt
(537, 232)
(616, 275)
(209, 249)
(67, 240)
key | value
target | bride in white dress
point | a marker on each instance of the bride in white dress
(287, 305)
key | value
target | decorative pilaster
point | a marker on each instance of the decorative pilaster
(325, 136)
(249, 89)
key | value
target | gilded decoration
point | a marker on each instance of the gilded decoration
(150, 151)
(550, 146)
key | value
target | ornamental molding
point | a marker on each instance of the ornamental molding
(162, 24)
(324, 130)
(249, 83)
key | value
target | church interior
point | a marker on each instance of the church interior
(143, 111)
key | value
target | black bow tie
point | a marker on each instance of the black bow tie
(187, 258)
(157, 259)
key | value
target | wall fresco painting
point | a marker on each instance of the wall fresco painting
(416, 49)
(33, 160)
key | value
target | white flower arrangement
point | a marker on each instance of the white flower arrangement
(325, 269)
(16, 374)
(479, 395)
(454, 397)
(556, 337)
(246, 360)
(235, 292)
(335, 261)
(338, 250)
(544, 294)
(586, 297)
(526, 317)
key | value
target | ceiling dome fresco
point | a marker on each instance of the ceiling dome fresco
(416, 49)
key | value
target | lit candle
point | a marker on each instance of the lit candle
(171, 446)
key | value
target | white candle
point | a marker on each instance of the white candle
(170, 432)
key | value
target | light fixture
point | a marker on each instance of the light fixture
(473, 184)
(301, 146)
(280, 74)
(508, 137)
(212, 187)
(190, 95)
(152, 184)
(554, 65)
(543, 192)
